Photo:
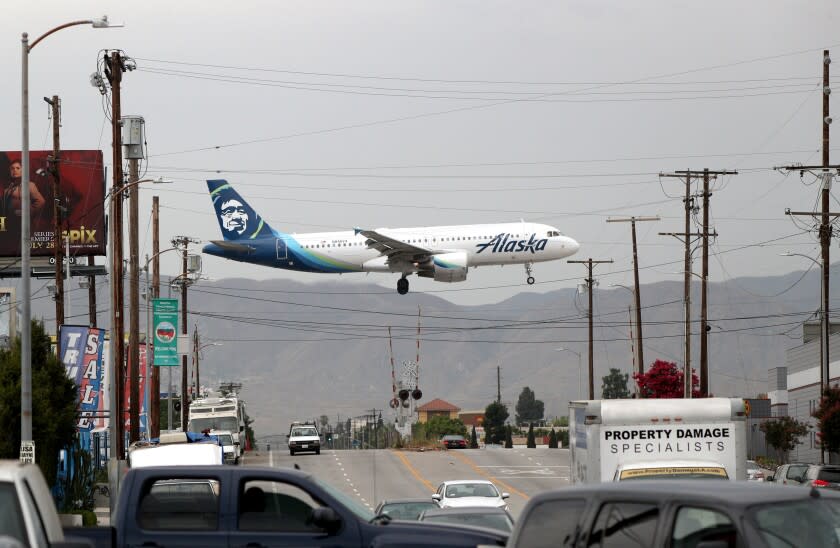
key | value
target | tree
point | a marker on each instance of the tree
(531, 443)
(439, 426)
(665, 380)
(528, 408)
(614, 385)
(783, 433)
(508, 437)
(54, 402)
(495, 416)
(324, 421)
(473, 439)
(552, 439)
(828, 419)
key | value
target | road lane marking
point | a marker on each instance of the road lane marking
(475, 467)
(414, 471)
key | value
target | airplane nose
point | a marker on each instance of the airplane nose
(572, 246)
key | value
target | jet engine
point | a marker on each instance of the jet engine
(450, 267)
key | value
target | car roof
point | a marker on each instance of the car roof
(727, 493)
(466, 510)
(407, 501)
(14, 468)
(671, 464)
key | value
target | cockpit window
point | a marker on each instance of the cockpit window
(552, 233)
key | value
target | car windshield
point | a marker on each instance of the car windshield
(12, 524)
(493, 521)
(304, 432)
(812, 522)
(214, 423)
(751, 465)
(831, 475)
(406, 510)
(694, 472)
(471, 490)
(226, 439)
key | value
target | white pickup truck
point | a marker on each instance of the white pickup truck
(28, 516)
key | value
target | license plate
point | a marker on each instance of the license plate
(304, 446)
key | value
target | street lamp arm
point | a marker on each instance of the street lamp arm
(159, 181)
(58, 28)
(158, 254)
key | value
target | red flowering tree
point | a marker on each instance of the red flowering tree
(828, 419)
(665, 380)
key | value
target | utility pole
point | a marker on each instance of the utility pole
(92, 321)
(825, 231)
(154, 404)
(589, 282)
(55, 169)
(134, 303)
(195, 359)
(640, 366)
(113, 71)
(133, 146)
(688, 175)
(184, 281)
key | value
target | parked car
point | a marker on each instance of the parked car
(453, 441)
(789, 474)
(404, 508)
(451, 494)
(679, 513)
(826, 476)
(477, 516)
(754, 471)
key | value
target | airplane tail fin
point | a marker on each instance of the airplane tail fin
(237, 219)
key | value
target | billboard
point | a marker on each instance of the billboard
(81, 195)
(81, 353)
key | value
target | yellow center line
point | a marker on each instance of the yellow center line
(414, 471)
(507, 487)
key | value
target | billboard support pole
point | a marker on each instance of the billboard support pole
(55, 168)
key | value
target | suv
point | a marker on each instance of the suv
(789, 474)
(678, 513)
(826, 476)
(303, 436)
(229, 447)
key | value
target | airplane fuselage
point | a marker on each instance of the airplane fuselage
(348, 251)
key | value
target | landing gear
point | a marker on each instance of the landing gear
(528, 271)
(402, 286)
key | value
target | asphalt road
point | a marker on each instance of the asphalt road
(373, 475)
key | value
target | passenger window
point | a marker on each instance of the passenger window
(275, 506)
(552, 523)
(695, 525)
(624, 524)
(180, 505)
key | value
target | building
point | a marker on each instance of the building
(472, 418)
(437, 408)
(795, 390)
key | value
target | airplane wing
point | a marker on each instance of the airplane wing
(394, 249)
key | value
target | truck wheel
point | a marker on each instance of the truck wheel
(317, 451)
(292, 452)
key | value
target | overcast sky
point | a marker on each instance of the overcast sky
(331, 115)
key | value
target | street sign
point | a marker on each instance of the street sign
(27, 451)
(165, 313)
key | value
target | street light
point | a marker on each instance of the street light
(564, 349)
(197, 371)
(25, 236)
(824, 361)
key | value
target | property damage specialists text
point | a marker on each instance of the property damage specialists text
(667, 440)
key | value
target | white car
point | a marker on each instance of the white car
(459, 493)
(754, 471)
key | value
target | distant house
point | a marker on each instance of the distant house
(437, 408)
(472, 418)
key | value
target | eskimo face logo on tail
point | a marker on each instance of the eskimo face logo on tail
(234, 217)
(507, 243)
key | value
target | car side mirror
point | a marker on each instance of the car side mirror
(505, 495)
(326, 519)
(768, 478)
(436, 497)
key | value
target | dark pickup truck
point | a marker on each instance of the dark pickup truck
(225, 506)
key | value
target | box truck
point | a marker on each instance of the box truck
(628, 439)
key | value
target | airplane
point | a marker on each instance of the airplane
(443, 253)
